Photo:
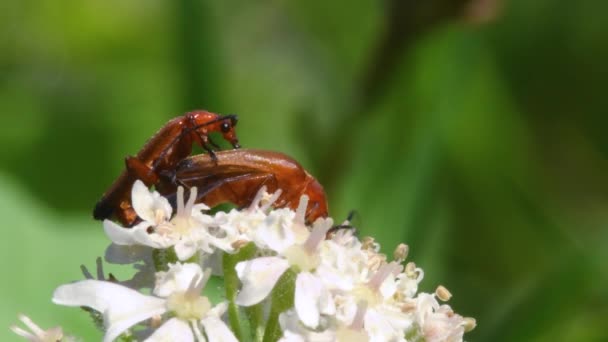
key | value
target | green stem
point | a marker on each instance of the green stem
(163, 257)
(282, 300)
(231, 283)
(256, 318)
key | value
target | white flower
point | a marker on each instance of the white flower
(187, 231)
(243, 226)
(345, 289)
(438, 322)
(178, 292)
(343, 265)
(372, 300)
(121, 307)
(37, 334)
(284, 232)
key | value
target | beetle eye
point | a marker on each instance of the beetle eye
(225, 127)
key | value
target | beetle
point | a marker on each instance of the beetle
(235, 176)
(161, 154)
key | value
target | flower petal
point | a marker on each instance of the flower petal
(185, 249)
(172, 330)
(217, 331)
(146, 203)
(120, 235)
(177, 278)
(258, 277)
(289, 336)
(276, 231)
(308, 293)
(122, 307)
(137, 235)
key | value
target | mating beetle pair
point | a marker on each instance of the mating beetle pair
(233, 176)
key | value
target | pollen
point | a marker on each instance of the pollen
(187, 307)
(367, 294)
(299, 257)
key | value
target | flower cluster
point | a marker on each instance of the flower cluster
(284, 280)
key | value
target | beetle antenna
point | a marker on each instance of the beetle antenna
(347, 224)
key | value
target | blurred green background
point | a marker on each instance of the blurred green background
(473, 130)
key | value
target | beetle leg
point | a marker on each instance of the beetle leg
(138, 170)
(208, 145)
(212, 154)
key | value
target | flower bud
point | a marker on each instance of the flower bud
(443, 293)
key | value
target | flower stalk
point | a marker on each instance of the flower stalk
(231, 284)
(281, 301)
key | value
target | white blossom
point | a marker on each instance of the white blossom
(284, 233)
(177, 291)
(187, 231)
(346, 290)
(438, 322)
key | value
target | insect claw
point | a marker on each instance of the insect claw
(213, 155)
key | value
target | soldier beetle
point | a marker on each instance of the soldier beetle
(235, 176)
(161, 154)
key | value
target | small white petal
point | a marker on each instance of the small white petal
(146, 203)
(308, 293)
(200, 207)
(120, 235)
(177, 278)
(218, 310)
(258, 277)
(136, 235)
(378, 327)
(426, 305)
(172, 330)
(276, 231)
(388, 287)
(122, 307)
(142, 201)
(185, 249)
(217, 331)
(289, 336)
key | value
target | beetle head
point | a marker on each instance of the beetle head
(227, 128)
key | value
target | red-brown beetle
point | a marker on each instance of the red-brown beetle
(235, 176)
(161, 154)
